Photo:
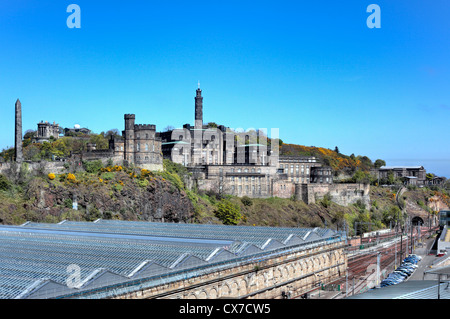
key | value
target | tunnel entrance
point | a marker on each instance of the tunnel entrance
(417, 221)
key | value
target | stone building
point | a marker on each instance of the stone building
(321, 175)
(76, 130)
(297, 168)
(237, 163)
(47, 130)
(412, 174)
(141, 145)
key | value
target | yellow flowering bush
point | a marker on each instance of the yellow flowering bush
(71, 177)
(145, 173)
(51, 176)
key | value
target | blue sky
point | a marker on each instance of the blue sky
(313, 69)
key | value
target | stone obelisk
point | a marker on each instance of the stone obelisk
(18, 135)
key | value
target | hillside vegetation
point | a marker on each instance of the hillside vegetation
(115, 192)
(332, 158)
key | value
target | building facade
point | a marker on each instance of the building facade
(141, 146)
(238, 163)
(46, 131)
(415, 175)
(298, 169)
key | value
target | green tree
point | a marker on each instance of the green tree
(378, 163)
(100, 140)
(359, 177)
(228, 212)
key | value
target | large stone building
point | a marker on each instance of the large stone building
(220, 159)
(46, 131)
(138, 146)
(413, 175)
(238, 163)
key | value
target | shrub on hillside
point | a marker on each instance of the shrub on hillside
(93, 166)
(247, 201)
(228, 212)
(5, 184)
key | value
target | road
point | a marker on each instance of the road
(426, 261)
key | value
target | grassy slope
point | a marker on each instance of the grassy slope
(17, 202)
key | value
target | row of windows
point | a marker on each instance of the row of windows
(254, 189)
(324, 172)
(327, 180)
(138, 147)
(302, 168)
(246, 178)
(138, 136)
(245, 170)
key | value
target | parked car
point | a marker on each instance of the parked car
(407, 273)
(409, 264)
(415, 256)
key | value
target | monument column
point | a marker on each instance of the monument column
(18, 135)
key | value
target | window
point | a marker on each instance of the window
(146, 147)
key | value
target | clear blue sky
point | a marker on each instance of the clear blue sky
(313, 69)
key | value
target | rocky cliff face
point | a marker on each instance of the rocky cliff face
(119, 197)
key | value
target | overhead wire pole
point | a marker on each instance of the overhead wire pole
(401, 189)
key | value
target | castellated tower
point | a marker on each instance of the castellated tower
(18, 132)
(141, 145)
(128, 135)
